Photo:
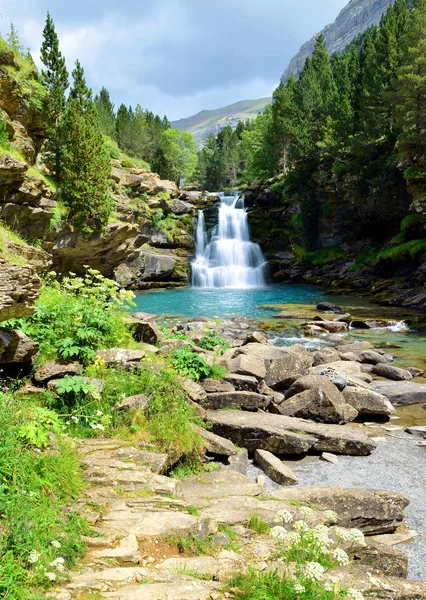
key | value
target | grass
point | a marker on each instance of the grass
(402, 251)
(321, 256)
(35, 486)
(258, 525)
(7, 236)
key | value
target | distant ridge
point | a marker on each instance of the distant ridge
(212, 121)
(352, 20)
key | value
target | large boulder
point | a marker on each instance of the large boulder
(372, 511)
(391, 372)
(247, 365)
(146, 331)
(368, 402)
(242, 383)
(147, 266)
(216, 444)
(16, 347)
(55, 370)
(120, 356)
(316, 398)
(287, 435)
(401, 392)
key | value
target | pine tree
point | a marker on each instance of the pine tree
(86, 163)
(55, 79)
(105, 111)
(410, 102)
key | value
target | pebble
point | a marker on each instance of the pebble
(260, 480)
(328, 457)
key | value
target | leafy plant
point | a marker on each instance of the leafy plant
(211, 340)
(258, 525)
(40, 422)
(190, 364)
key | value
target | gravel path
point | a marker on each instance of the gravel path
(398, 464)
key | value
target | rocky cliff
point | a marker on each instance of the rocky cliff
(355, 18)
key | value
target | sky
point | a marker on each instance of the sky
(175, 57)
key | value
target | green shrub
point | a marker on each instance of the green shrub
(402, 251)
(190, 364)
(35, 486)
(211, 340)
(4, 138)
(77, 316)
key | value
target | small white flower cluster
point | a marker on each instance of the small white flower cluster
(293, 538)
(354, 595)
(50, 576)
(300, 526)
(299, 588)
(279, 533)
(97, 426)
(330, 515)
(284, 516)
(306, 512)
(74, 419)
(313, 571)
(354, 536)
(319, 536)
(34, 556)
(56, 544)
(58, 564)
(341, 558)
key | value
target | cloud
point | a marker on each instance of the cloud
(176, 56)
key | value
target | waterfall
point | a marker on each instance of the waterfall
(230, 259)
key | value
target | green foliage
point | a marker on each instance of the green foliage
(190, 364)
(190, 466)
(178, 156)
(4, 138)
(35, 487)
(39, 423)
(211, 340)
(106, 115)
(77, 316)
(402, 251)
(258, 525)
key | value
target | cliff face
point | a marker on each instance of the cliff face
(355, 18)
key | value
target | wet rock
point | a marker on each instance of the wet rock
(372, 511)
(390, 372)
(287, 435)
(368, 402)
(329, 307)
(401, 392)
(372, 357)
(331, 326)
(246, 400)
(355, 347)
(274, 468)
(55, 370)
(216, 444)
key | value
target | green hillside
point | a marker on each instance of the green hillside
(212, 121)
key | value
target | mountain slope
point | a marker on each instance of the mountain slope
(352, 20)
(212, 121)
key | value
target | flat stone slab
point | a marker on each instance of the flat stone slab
(216, 444)
(247, 400)
(146, 523)
(187, 590)
(401, 392)
(202, 488)
(287, 435)
(274, 468)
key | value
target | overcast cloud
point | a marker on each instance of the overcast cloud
(175, 57)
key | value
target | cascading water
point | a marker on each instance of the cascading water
(230, 259)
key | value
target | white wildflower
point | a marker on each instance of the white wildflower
(341, 558)
(278, 532)
(299, 588)
(328, 587)
(293, 538)
(56, 544)
(313, 571)
(74, 419)
(341, 534)
(354, 595)
(300, 526)
(50, 576)
(356, 537)
(284, 516)
(319, 536)
(58, 563)
(330, 515)
(34, 556)
(99, 413)
(306, 511)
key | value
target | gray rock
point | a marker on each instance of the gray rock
(247, 365)
(329, 307)
(247, 400)
(194, 390)
(328, 457)
(417, 430)
(372, 357)
(242, 383)
(147, 331)
(212, 386)
(55, 370)
(256, 337)
(287, 435)
(16, 347)
(414, 371)
(120, 356)
(390, 372)
(221, 539)
(216, 444)
(137, 402)
(274, 468)
(368, 402)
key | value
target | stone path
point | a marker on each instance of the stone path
(138, 515)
